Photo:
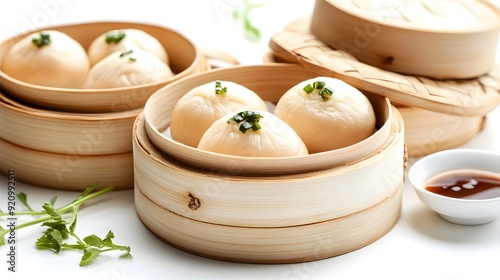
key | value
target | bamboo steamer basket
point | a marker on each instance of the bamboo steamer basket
(270, 245)
(414, 38)
(285, 217)
(66, 150)
(159, 107)
(184, 59)
(438, 114)
(427, 131)
(66, 171)
(66, 133)
(72, 138)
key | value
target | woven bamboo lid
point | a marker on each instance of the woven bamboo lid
(466, 97)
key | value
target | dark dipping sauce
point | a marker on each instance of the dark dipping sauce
(467, 184)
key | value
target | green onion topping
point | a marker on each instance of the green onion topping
(41, 41)
(133, 59)
(324, 91)
(248, 119)
(114, 37)
(219, 89)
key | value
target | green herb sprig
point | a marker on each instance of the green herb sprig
(114, 37)
(248, 119)
(324, 91)
(59, 229)
(219, 89)
(42, 40)
(250, 31)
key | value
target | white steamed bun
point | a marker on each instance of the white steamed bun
(125, 40)
(327, 122)
(274, 138)
(47, 58)
(195, 112)
(129, 68)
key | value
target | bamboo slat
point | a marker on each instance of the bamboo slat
(66, 133)
(70, 172)
(277, 245)
(427, 132)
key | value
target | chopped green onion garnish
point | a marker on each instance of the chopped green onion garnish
(114, 37)
(219, 89)
(238, 118)
(125, 53)
(245, 126)
(41, 41)
(319, 85)
(324, 92)
(248, 119)
(308, 88)
(133, 59)
(256, 126)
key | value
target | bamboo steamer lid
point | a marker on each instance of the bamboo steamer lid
(445, 39)
(467, 97)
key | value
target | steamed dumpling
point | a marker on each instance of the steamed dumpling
(323, 121)
(271, 138)
(125, 40)
(47, 58)
(124, 69)
(195, 112)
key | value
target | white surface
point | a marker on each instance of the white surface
(421, 245)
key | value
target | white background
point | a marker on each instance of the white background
(421, 245)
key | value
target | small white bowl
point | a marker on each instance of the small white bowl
(456, 210)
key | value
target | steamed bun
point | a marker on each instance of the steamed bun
(125, 40)
(323, 121)
(271, 138)
(195, 112)
(130, 68)
(47, 58)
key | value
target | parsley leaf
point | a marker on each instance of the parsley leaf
(60, 230)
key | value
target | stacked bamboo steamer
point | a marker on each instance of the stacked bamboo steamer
(266, 210)
(435, 61)
(72, 138)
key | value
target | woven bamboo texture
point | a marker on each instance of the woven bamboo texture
(468, 97)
